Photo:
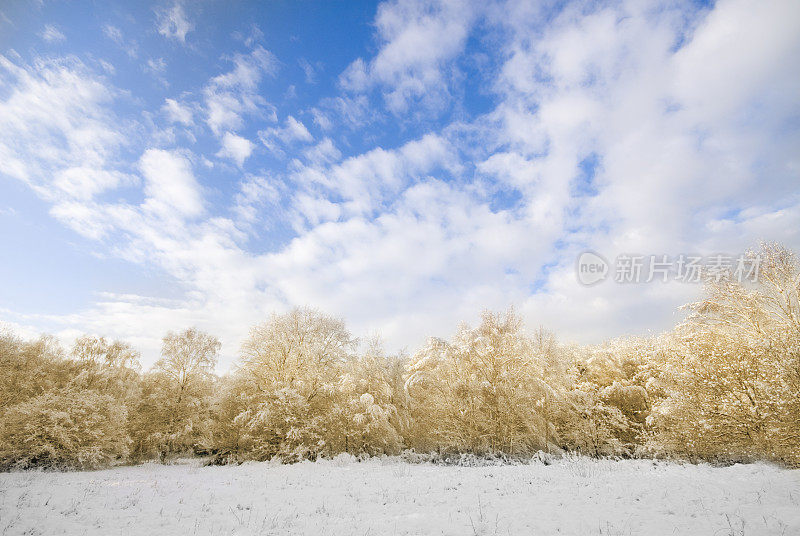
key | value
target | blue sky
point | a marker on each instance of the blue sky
(401, 164)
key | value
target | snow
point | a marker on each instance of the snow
(389, 496)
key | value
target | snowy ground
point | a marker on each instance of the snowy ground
(572, 496)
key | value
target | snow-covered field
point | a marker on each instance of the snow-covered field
(388, 496)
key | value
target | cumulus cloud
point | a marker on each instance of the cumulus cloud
(609, 83)
(736, 42)
(364, 183)
(236, 148)
(419, 40)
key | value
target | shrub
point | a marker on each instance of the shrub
(67, 429)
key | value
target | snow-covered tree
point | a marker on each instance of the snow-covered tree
(301, 348)
(723, 385)
(108, 367)
(484, 392)
(731, 371)
(66, 429)
(49, 416)
(173, 413)
(30, 368)
(607, 402)
(291, 365)
(369, 406)
(589, 425)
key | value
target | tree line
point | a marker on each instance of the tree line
(722, 386)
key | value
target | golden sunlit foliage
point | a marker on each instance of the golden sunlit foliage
(731, 371)
(723, 386)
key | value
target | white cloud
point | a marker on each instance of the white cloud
(512, 169)
(737, 42)
(255, 193)
(325, 152)
(156, 66)
(309, 70)
(355, 77)
(481, 213)
(107, 67)
(674, 149)
(296, 130)
(177, 112)
(365, 182)
(82, 217)
(52, 34)
(85, 183)
(293, 130)
(353, 112)
(172, 23)
(419, 40)
(113, 33)
(231, 95)
(236, 148)
(170, 185)
(460, 251)
(321, 119)
(56, 130)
